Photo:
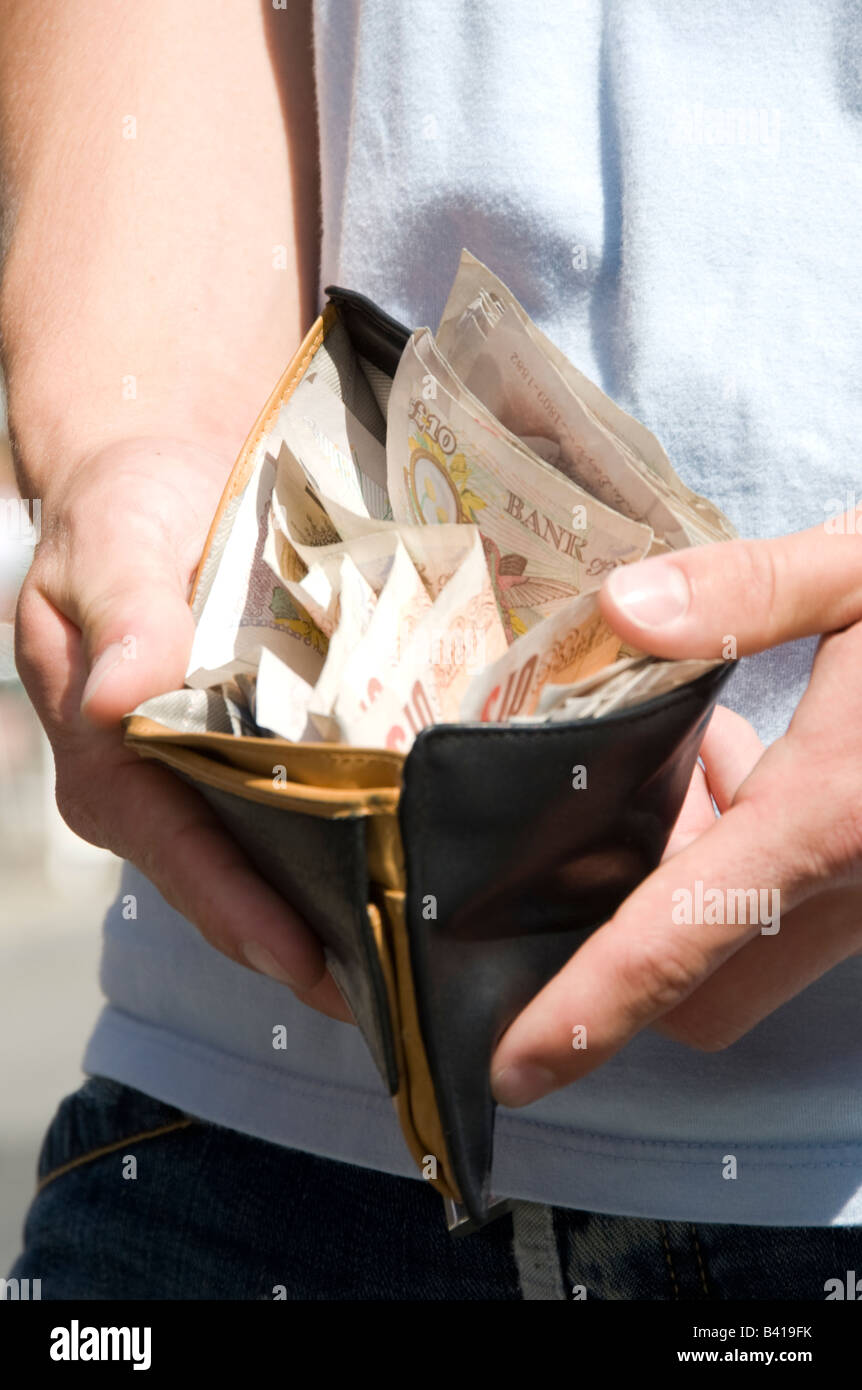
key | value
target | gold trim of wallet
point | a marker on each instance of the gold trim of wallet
(329, 781)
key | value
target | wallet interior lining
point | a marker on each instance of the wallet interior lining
(333, 765)
(250, 772)
(361, 385)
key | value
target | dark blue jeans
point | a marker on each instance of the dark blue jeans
(137, 1200)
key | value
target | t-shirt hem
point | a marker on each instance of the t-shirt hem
(775, 1184)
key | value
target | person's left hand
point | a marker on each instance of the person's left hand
(790, 821)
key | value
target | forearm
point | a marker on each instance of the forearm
(141, 294)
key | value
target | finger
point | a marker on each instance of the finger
(169, 832)
(327, 999)
(138, 642)
(137, 631)
(737, 597)
(140, 648)
(756, 981)
(696, 816)
(146, 815)
(50, 661)
(128, 600)
(658, 948)
(731, 749)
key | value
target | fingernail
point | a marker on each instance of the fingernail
(520, 1085)
(651, 595)
(259, 958)
(111, 657)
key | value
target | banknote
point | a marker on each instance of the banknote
(365, 591)
(376, 653)
(317, 530)
(356, 604)
(574, 643)
(439, 657)
(533, 388)
(341, 458)
(281, 699)
(545, 538)
(299, 507)
(643, 680)
(553, 695)
(313, 587)
(247, 610)
(462, 635)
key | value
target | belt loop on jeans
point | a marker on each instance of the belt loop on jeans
(537, 1259)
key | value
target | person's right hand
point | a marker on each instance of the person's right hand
(121, 537)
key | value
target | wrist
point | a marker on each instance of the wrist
(132, 499)
(56, 433)
(129, 482)
(75, 389)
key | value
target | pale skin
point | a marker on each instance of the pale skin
(152, 258)
(791, 819)
(148, 258)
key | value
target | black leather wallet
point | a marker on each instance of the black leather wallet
(448, 885)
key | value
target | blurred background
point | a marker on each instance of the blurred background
(54, 890)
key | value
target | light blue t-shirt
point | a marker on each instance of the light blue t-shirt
(672, 188)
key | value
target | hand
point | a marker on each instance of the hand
(120, 544)
(790, 823)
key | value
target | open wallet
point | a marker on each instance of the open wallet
(449, 865)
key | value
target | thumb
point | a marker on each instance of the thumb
(737, 597)
(137, 636)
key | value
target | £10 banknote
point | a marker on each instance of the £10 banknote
(428, 548)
